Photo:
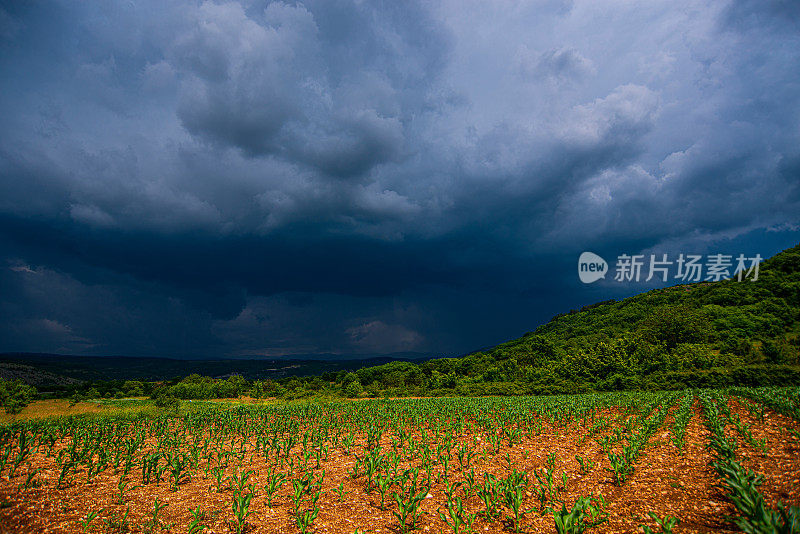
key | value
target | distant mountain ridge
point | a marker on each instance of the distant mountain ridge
(42, 369)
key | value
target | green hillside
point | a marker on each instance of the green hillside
(680, 329)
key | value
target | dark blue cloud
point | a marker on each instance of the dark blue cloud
(248, 177)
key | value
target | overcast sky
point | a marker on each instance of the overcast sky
(198, 179)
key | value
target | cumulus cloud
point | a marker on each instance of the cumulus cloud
(623, 116)
(557, 65)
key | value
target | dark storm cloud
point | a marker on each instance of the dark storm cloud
(199, 178)
(332, 95)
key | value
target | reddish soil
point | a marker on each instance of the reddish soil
(780, 464)
(666, 481)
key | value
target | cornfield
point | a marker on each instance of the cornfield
(692, 461)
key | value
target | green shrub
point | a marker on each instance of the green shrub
(15, 395)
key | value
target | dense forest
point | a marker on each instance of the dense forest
(707, 334)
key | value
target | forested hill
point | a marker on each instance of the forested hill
(702, 334)
(691, 327)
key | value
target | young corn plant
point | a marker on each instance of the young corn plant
(238, 482)
(372, 463)
(490, 494)
(354, 471)
(274, 483)
(177, 466)
(408, 501)
(450, 489)
(241, 509)
(340, 492)
(551, 461)
(117, 524)
(586, 512)
(471, 486)
(196, 525)
(122, 488)
(745, 432)
(465, 456)
(384, 482)
(305, 518)
(585, 464)
(219, 474)
(682, 416)
(666, 523)
(154, 522)
(514, 495)
(546, 490)
(620, 467)
(605, 443)
(90, 516)
(456, 517)
(297, 496)
(30, 480)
